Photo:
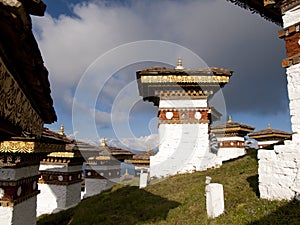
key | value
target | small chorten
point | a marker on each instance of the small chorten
(179, 64)
(229, 119)
(62, 130)
(269, 126)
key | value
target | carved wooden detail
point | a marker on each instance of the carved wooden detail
(14, 105)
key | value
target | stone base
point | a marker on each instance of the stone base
(23, 213)
(183, 148)
(278, 171)
(54, 198)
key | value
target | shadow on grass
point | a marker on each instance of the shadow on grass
(287, 214)
(127, 205)
(253, 182)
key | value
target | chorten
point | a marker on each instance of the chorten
(181, 95)
(266, 138)
(230, 136)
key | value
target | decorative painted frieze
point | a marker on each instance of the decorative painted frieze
(178, 116)
(232, 144)
(29, 147)
(184, 79)
(59, 178)
(18, 184)
(15, 192)
(102, 174)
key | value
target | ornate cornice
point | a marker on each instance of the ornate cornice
(184, 79)
(157, 82)
(287, 4)
(67, 155)
(29, 147)
(182, 94)
(139, 162)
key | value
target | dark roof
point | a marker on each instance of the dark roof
(115, 151)
(270, 133)
(231, 127)
(144, 156)
(54, 136)
(269, 12)
(21, 55)
(88, 150)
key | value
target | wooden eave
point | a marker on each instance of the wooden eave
(231, 127)
(269, 133)
(269, 12)
(146, 89)
(22, 57)
(34, 7)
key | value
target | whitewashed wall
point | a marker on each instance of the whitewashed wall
(182, 148)
(54, 198)
(225, 154)
(23, 213)
(279, 175)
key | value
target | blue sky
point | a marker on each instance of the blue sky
(74, 36)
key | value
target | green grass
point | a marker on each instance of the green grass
(181, 200)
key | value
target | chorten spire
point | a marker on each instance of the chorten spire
(179, 64)
(62, 130)
(103, 142)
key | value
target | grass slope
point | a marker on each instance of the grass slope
(181, 200)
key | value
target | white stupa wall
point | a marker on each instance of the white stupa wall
(182, 148)
(23, 213)
(279, 175)
(293, 78)
(56, 197)
(227, 153)
(182, 103)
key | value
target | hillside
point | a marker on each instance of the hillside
(181, 200)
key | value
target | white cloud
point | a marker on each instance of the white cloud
(136, 144)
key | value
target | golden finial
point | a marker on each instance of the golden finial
(103, 142)
(229, 119)
(269, 126)
(62, 130)
(179, 64)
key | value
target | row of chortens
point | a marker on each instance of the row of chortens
(41, 171)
